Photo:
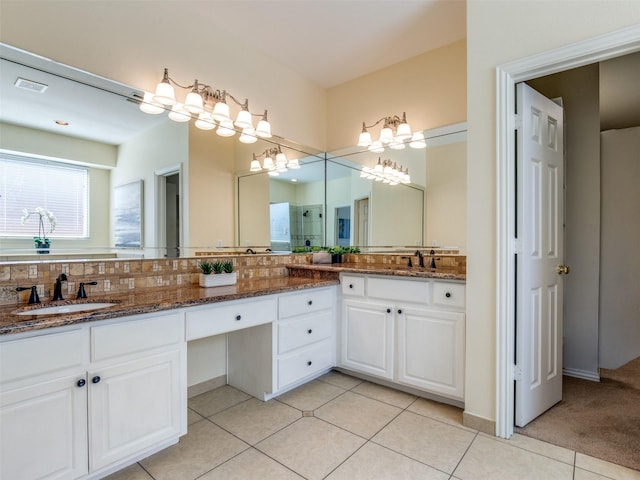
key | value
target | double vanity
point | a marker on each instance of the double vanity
(85, 393)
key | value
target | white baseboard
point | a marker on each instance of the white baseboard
(577, 373)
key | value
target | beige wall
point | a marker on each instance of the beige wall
(430, 88)
(131, 42)
(498, 32)
(253, 210)
(446, 195)
(620, 263)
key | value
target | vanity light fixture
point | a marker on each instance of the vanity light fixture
(208, 107)
(386, 171)
(394, 134)
(275, 162)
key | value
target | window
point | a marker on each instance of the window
(62, 189)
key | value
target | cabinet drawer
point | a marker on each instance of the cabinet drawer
(448, 294)
(352, 285)
(227, 318)
(41, 355)
(300, 365)
(415, 291)
(310, 300)
(298, 332)
(110, 341)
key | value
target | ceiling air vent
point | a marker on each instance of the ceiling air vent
(31, 85)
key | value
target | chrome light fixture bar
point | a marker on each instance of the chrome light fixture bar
(208, 107)
(386, 171)
(395, 132)
(275, 162)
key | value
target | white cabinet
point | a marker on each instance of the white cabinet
(305, 335)
(367, 337)
(81, 402)
(409, 331)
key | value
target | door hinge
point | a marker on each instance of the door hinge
(517, 373)
(516, 245)
(517, 121)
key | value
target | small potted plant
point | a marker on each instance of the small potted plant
(42, 243)
(218, 273)
(336, 254)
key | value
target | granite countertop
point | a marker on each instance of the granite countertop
(381, 269)
(152, 300)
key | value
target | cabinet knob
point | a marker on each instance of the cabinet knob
(351, 285)
(309, 363)
(309, 331)
(399, 312)
(81, 382)
(310, 302)
(95, 379)
(448, 294)
(388, 310)
(238, 317)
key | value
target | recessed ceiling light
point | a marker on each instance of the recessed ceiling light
(62, 123)
(30, 85)
(294, 179)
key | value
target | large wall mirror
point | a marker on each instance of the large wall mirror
(197, 192)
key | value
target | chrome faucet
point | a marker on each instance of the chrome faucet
(57, 289)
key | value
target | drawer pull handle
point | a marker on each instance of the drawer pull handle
(399, 312)
(351, 285)
(448, 294)
(309, 363)
(238, 317)
(310, 302)
(95, 379)
(388, 310)
(309, 331)
(81, 382)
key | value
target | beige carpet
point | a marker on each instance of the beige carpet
(597, 419)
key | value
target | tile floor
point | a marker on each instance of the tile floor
(340, 427)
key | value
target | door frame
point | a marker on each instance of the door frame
(597, 49)
(160, 176)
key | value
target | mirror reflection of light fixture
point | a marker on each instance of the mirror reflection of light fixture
(275, 162)
(208, 107)
(394, 133)
(386, 171)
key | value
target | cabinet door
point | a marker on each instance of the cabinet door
(43, 430)
(431, 350)
(367, 338)
(133, 406)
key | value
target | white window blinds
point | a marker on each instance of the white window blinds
(62, 189)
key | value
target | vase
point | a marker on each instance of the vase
(218, 279)
(336, 258)
(42, 247)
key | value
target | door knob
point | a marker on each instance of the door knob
(563, 269)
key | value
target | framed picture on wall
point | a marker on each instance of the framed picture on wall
(127, 211)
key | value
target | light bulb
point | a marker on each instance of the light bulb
(386, 135)
(193, 102)
(294, 164)
(396, 144)
(280, 158)
(376, 147)
(268, 164)
(263, 129)
(243, 120)
(221, 112)
(149, 106)
(225, 129)
(205, 121)
(248, 136)
(179, 114)
(365, 139)
(403, 132)
(165, 94)
(255, 166)
(273, 173)
(417, 140)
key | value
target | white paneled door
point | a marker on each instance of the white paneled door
(540, 179)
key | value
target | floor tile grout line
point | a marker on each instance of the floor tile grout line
(146, 471)
(220, 464)
(453, 472)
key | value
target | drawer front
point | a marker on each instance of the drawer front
(352, 285)
(415, 291)
(42, 354)
(227, 318)
(306, 301)
(300, 365)
(298, 332)
(448, 294)
(133, 336)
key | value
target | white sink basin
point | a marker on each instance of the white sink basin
(71, 308)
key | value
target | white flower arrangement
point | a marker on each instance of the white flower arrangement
(42, 214)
